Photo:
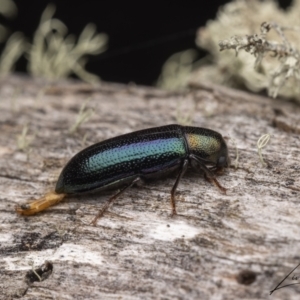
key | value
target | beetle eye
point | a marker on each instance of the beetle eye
(222, 162)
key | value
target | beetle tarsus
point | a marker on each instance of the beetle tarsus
(218, 185)
(174, 213)
(214, 181)
(173, 191)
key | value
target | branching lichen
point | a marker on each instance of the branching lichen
(23, 141)
(176, 70)
(14, 48)
(54, 54)
(261, 143)
(83, 116)
(15, 45)
(185, 113)
(274, 63)
(8, 9)
(237, 155)
(259, 46)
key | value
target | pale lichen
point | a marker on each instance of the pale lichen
(14, 48)
(260, 47)
(83, 116)
(266, 31)
(237, 154)
(176, 70)
(261, 143)
(15, 43)
(24, 140)
(9, 10)
(185, 112)
(55, 55)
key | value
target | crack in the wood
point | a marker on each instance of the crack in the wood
(14, 177)
(292, 188)
(247, 263)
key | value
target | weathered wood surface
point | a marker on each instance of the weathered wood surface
(211, 250)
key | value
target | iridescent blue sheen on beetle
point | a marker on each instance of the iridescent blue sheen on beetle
(122, 161)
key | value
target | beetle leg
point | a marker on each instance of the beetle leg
(208, 173)
(112, 199)
(217, 170)
(216, 183)
(181, 172)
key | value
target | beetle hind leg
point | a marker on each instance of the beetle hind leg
(112, 199)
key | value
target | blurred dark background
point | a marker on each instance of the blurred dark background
(141, 36)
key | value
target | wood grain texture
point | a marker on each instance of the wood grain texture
(234, 246)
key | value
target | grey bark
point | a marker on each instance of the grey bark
(234, 246)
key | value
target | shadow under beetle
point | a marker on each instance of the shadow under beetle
(122, 161)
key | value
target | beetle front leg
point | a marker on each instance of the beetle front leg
(208, 173)
(173, 191)
(216, 183)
